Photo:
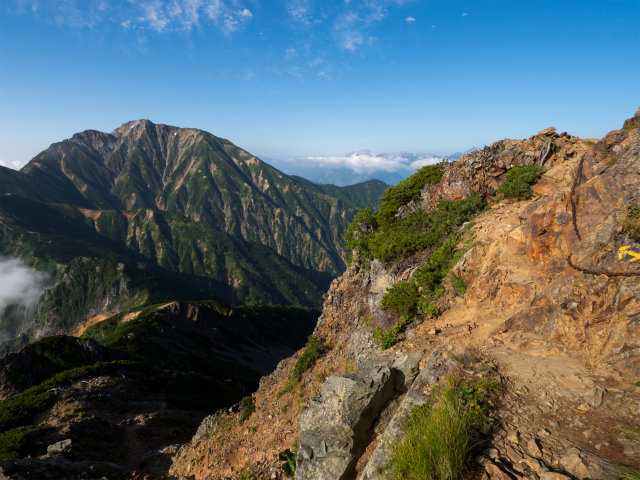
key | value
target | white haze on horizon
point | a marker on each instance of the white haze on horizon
(366, 162)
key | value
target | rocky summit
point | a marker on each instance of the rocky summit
(518, 321)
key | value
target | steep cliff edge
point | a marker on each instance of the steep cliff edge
(549, 305)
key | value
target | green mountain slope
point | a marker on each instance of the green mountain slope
(153, 213)
(206, 179)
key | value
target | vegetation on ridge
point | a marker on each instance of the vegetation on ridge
(312, 351)
(517, 182)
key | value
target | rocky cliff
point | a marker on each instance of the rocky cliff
(545, 308)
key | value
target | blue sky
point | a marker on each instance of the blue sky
(296, 78)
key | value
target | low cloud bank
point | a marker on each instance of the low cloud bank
(366, 162)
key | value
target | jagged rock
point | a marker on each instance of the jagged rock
(553, 476)
(59, 448)
(513, 436)
(428, 376)
(334, 429)
(407, 369)
(546, 131)
(494, 472)
(533, 448)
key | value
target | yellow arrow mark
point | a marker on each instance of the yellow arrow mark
(625, 251)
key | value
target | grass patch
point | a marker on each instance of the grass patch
(457, 285)
(388, 338)
(312, 351)
(517, 182)
(437, 443)
(248, 408)
(628, 473)
(631, 223)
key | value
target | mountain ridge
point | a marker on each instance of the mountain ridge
(181, 204)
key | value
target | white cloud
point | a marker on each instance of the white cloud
(367, 162)
(464, 14)
(19, 283)
(410, 19)
(15, 164)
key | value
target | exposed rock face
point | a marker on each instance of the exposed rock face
(565, 340)
(334, 428)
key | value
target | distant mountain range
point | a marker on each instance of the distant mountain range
(166, 213)
(361, 166)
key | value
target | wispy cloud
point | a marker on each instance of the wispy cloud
(410, 19)
(300, 11)
(155, 15)
(163, 15)
(352, 27)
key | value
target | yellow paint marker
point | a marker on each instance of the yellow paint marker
(625, 251)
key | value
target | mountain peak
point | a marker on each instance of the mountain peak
(133, 126)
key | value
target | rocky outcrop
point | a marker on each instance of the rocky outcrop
(337, 427)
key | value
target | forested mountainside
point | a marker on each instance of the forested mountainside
(487, 328)
(152, 213)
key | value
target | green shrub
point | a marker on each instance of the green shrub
(19, 409)
(402, 297)
(517, 182)
(429, 308)
(358, 234)
(631, 223)
(458, 285)
(388, 338)
(437, 443)
(289, 458)
(312, 351)
(420, 229)
(248, 407)
(407, 190)
(20, 442)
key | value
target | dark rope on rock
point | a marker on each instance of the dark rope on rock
(575, 227)
(600, 272)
